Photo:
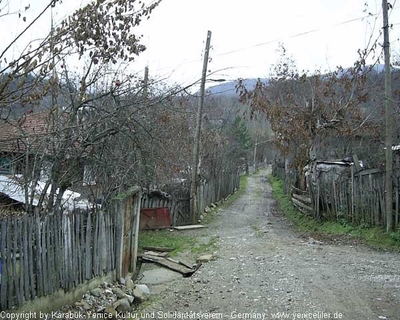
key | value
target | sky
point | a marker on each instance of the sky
(319, 34)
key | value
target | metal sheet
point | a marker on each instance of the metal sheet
(154, 218)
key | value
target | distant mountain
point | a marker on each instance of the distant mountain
(374, 69)
(229, 88)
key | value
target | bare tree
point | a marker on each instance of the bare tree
(307, 110)
(82, 109)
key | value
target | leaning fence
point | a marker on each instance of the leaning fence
(358, 199)
(41, 254)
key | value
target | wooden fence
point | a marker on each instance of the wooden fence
(217, 189)
(179, 203)
(358, 199)
(302, 201)
(41, 254)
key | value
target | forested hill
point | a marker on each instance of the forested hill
(228, 88)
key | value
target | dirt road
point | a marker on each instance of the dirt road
(264, 269)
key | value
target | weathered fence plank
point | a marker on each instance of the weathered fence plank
(42, 253)
(301, 198)
(15, 288)
(359, 198)
(302, 206)
(3, 255)
(25, 255)
(88, 264)
(30, 235)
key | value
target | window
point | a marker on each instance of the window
(5, 166)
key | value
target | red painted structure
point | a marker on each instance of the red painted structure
(154, 218)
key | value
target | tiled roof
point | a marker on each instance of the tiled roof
(27, 132)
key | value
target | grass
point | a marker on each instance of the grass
(241, 191)
(257, 230)
(165, 238)
(175, 239)
(180, 241)
(373, 236)
(210, 217)
(202, 248)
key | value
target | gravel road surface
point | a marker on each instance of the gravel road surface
(264, 269)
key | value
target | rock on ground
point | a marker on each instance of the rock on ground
(141, 292)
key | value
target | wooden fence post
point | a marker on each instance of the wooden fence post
(119, 237)
(135, 228)
(102, 249)
(352, 193)
(396, 188)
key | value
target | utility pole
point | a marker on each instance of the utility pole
(389, 119)
(255, 149)
(144, 105)
(145, 85)
(255, 153)
(196, 147)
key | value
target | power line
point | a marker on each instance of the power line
(261, 44)
(296, 35)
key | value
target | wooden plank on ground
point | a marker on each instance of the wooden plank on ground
(189, 227)
(156, 254)
(170, 264)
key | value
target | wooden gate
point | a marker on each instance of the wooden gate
(182, 211)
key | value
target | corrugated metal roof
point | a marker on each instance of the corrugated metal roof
(12, 188)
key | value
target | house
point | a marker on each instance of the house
(28, 148)
(21, 139)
